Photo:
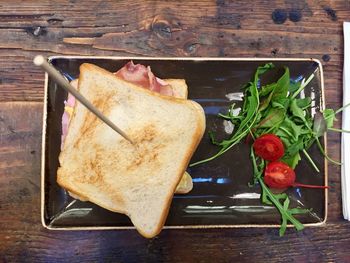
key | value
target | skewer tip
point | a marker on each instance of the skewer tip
(38, 60)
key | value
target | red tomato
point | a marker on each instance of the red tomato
(269, 147)
(278, 175)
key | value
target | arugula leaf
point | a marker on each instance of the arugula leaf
(303, 103)
(274, 116)
(266, 102)
(261, 70)
(329, 117)
(275, 91)
(280, 197)
(294, 148)
(297, 111)
(293, 160)
(269, 198)
(253, 101)
(282, 103)
(290, 130)
(284, 219)
(320, 125)
(285, 212)
(281, 90)
(265, 90)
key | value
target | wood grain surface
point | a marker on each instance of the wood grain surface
(288, 28)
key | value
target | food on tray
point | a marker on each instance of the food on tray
(143, 77)
(282, 127)
(138, 179)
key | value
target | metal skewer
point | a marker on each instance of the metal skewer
(42, 62)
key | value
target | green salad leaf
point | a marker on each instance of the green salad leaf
(320, 124)
(329, 117)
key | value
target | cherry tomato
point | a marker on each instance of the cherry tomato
(279, 175)
(269, 147)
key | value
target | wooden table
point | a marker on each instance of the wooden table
(277, 28)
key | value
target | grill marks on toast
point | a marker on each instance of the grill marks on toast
(91, 121)
(94, 165)
(147, 149)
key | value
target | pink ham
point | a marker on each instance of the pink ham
(137, 74)
(69, 103)
(143, 77)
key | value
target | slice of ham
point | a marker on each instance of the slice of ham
(67, 114)
(137, 74)
(143, 77)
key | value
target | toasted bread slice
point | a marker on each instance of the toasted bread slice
(180, 90)
(137, 179)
